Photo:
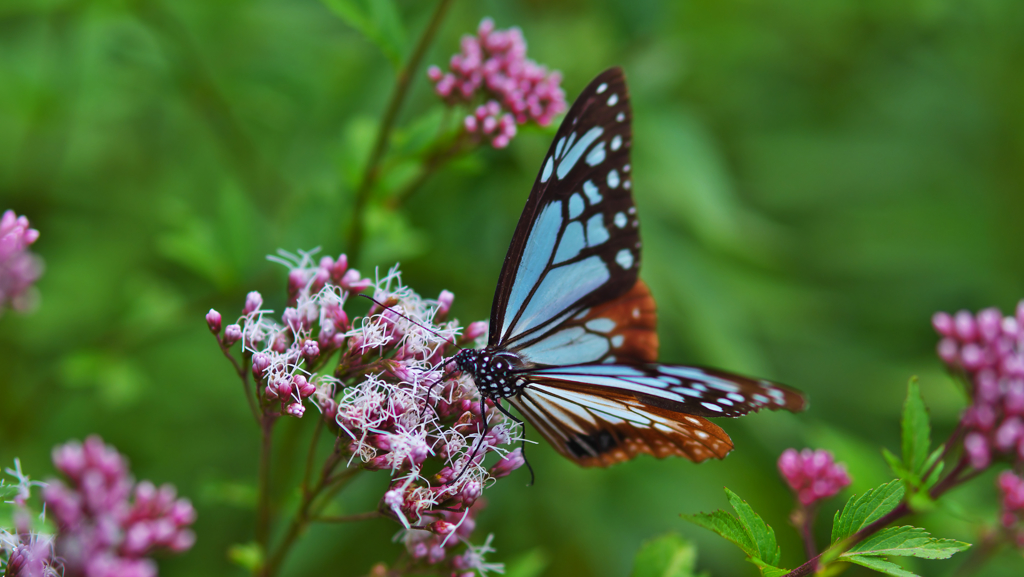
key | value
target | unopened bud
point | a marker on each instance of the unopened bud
(213, 321)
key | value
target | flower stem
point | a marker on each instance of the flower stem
(807, 530)
(372, 171)
(431, 164)
(263, 483)
(348, 518)
(302, 517)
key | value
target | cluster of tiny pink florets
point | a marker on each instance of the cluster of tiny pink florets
(19, 268)
(492, 67)
(812, 475)
(380, 383)
(102, 530)
(1012, 488)
(988, 349)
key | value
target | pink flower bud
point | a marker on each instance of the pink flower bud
(260, 362)
(232, 334)
(949, 351)
(442, 527)
(253, 302)
(295, 410)
(990, 323)
(310, 350)
(507, 464)
(434, 74)
(213, 321)
(302, 386)
(965, 326)
(976, 447)
(812, 475)
(475, 330)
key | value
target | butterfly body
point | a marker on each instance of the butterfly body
(572, 342)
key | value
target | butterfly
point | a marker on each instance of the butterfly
(572, 343)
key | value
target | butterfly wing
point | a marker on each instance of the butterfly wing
(577, 243)
(610, 427)
(599, 415)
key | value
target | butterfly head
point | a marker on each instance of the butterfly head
(492, 371)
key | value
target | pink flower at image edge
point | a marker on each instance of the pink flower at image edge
(108, 524)
(19, 268)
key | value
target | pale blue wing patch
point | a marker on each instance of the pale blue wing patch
(573, 155)
(571, 244)
(597, 233)
(561, 287)
(543, 237)
(567, 346)
(592, 192)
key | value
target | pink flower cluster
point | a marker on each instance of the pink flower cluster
(19, 268)
(1012, 488)
(988, 349)
(432, 547)
(492, 66)
(23, 551)
(812, 475)
(380, 382)
(102, 533)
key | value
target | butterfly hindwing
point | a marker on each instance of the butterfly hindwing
(601, 429)
(577, 243)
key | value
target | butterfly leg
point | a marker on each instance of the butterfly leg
(523, 441)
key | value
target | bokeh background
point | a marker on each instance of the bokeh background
(814, 180)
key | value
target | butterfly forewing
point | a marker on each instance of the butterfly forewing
(577, 243)
(621, 330)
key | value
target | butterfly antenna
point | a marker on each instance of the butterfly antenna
(392, 309)
(430, 389)
(522, 441)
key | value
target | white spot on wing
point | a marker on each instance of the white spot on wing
(596, 155)
(590, 189)
(616, 142)
(620, 219)
(613, 100)
(712, 407)
(624, 258)
(613, 179)
(602, 88)
(620, 116)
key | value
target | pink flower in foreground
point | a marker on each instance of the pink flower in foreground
(379, 381)
(1012, 488)
(812, 475)
(107, 523)
(988, 349)
(19, 268)
(492, 68)
(25, 552)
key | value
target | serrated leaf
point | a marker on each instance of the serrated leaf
(862, 510)
(896, 465)
(916, 429)
(667, 556)
(377, 20)
(768, 570)
(881, 565)
(906, 541)
(760, 533)
(727, 526)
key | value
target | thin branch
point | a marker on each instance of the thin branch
(244, 375)
(348, 518)
(263, 483)
(372, 171)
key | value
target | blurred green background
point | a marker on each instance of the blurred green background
(814, 179)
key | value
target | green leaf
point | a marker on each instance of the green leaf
(246, 555)
(762, 535)
(748, 531)
(881, 565)
(916, 430)
(529, 564)
(667, 556)
(906, 542)
(865, 509)
(727, 526)
(377, 20)
(896, 464)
